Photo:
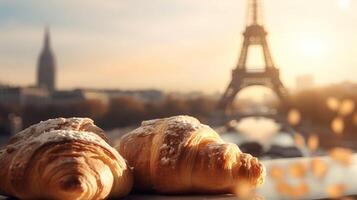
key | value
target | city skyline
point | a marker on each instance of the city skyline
(123, 45)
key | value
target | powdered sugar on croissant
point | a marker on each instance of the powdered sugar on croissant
(63, 159)
(181, 155)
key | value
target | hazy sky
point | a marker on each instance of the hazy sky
(173, 44)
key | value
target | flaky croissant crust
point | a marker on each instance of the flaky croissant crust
(63, 159)
(181, 155)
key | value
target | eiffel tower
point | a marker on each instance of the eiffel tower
(242, 76)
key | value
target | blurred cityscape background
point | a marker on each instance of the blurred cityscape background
(285, 88)
(123, 62)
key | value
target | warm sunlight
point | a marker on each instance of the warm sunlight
(344, 4)
(178, 99)
(311, 46)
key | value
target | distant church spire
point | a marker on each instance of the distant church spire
(47, 38)
(46, 71)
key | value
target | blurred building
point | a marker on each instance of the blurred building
(16, 123)
(24, 95)
(46, 71)
(187, 95)
(348, 87)
(104, 95)
(141, 95)
(77, 96)
(305, 82)
(42, 96)
(2, 85)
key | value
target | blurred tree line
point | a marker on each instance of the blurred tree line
(313, 106)
(119, 112)
(128, 111)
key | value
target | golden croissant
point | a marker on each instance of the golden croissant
(64, 159)
(180, 155)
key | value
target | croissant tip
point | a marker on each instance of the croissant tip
(262, 174)
(72, 183)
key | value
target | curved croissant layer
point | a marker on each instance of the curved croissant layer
(63, 159)
(181, 155)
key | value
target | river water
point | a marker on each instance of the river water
(258, 129)
(261, 137)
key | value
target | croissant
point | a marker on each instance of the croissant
(179, 155)
(63, 159)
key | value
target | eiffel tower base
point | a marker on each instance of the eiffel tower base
(241, 78)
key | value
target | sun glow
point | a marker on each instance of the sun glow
(311, 46)
(344, 4)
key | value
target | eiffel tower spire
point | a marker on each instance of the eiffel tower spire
(254, 13)
(255, 34)
(47, 40)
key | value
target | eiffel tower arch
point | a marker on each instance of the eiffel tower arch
(242, 76)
